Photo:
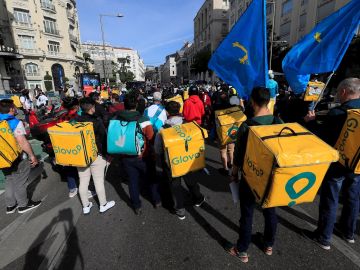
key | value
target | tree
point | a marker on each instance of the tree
(127, 76)
(48, 82)
(88, 61)
(201, 61)
(123, 62)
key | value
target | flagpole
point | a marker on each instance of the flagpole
(322, 92)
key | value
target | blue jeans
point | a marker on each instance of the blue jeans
(338, 178)
(137, 171)
(71, 175)
(247, 205)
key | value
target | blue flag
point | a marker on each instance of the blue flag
(323, 48)
(241, 59)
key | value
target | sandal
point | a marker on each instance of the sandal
(243, 256)
(268, 251)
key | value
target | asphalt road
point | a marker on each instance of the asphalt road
(57, 236)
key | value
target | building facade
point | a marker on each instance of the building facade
(9, 55)
(46, 33)
(182, 66)
(168, 70)
(293, 18)
(211, 25)
(133, 63)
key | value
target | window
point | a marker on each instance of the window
(22, 16)
(302, 21)
(224, 28)
(50, 26)
(304, 2)
(285, 29)
(47, 4)
(269, 9)
(32, 69)
(27, 42)
(54, 47)
(325, 10)
(287, 7)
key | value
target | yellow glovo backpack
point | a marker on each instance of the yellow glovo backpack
(184, 147)
(16, 100)
(228, 122)
(348, 143)
(313, 91)
(74, 143)
(285, 164)
(9, 149)
(104, 94)
(179, 100)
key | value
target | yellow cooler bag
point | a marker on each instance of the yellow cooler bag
(228, 122)
(184, 148)
(348, 143)
(17, 102)
(179, 100)
(9, 149)
(313, 91)
(186, 94)
(74, 144)
(285, 164)
(104, 95)
(271, 105)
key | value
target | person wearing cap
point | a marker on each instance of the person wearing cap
(156, 112)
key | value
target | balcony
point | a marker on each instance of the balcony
(48, 6)
(6, 51)
(29, 51)
(53, 32)
(33, 74)
(70, 15)
(73, 38)
(23, 25)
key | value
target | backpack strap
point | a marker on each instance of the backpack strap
(158, 112)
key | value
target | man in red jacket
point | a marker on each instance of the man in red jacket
(193, 107)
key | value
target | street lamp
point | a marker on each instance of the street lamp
(103, 38)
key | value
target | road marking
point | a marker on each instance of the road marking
(336, 241)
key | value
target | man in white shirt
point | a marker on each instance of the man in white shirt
(41, 100)
(156, 112)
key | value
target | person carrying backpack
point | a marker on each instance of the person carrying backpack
(260, 98)
(136, 163)
(338, 177)
(97, 169)
(172, 109)
(156, 112)
(16, 197)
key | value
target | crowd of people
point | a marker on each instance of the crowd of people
(153, 115)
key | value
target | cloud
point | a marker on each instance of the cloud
(164, 43)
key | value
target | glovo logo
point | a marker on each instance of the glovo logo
(68, 151)
(93, 142)
(181, 133)
(5, 130)
(351, 125)
(290, 190)
(253, 167)
(187, 158)
(232, 132)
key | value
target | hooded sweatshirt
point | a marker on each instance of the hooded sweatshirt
(193, 109)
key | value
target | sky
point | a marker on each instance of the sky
(155, 28)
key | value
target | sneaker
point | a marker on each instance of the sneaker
(91, 194)
(138, 211)
(73, 192)
(223, 172)
(198, 204)
(268, 251)
(31, 205)
(313, 237)
(350, 240)
(86, 210)
(107, 206)
(181, 217)
(11, 209)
